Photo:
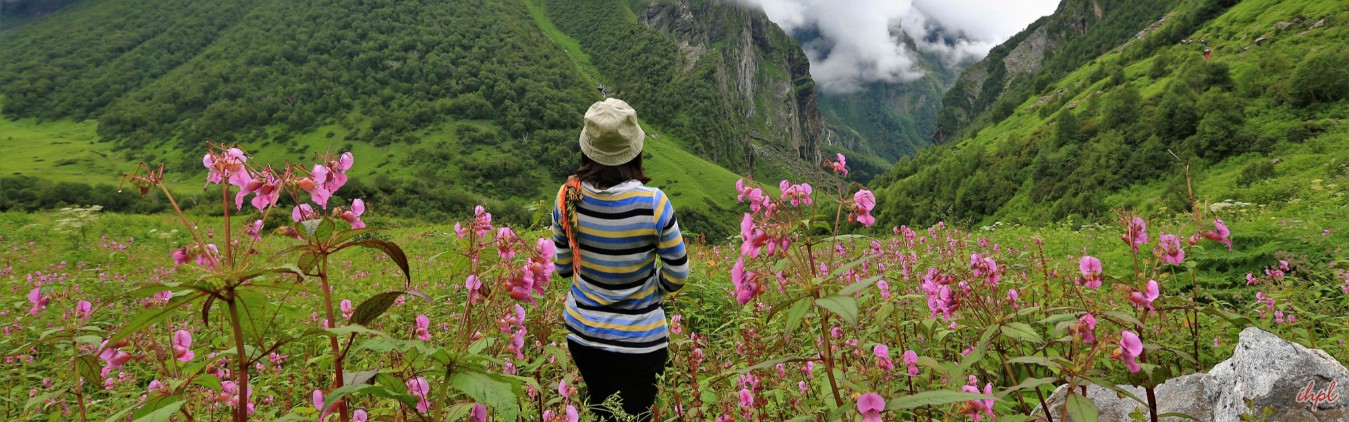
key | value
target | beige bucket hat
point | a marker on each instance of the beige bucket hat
(611, 135)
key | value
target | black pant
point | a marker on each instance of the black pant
(631, 376)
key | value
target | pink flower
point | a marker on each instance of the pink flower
(1090, 267)
(324, 412)
(1145, 298)
(478, 413)
(266, 189)
(863, 202)
(1130, 348)
(353, 215)
(571, 414)
(302, 212)
(472, 283)
(182, 346)
(911, 362)
(38, 300)
(940, 297)
(675, 326)
(254, 230)
(229, 165)
(976, 409)
(870, 405)
(1137, 233)
(1169, 248)
(746, 282)
(360, 416)
(1012, 296)
(882, 353)
(83, 309)
(985, 267)
(1086, 328)
(113, 357)
(797, 195)
(1220, 234)
(420, 388)
(326, 178)
(840, 166)
(180, 256)
(346, 308)
(746, 399)
(754, 238)
(423, 323)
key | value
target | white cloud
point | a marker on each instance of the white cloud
(858, 40)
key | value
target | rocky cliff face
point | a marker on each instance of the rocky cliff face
(763, 76)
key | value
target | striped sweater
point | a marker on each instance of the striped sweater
(615, 303)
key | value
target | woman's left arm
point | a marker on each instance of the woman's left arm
(670, 246)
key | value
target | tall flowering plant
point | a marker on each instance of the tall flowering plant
(223, 265)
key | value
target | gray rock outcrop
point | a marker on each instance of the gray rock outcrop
(1277, 377)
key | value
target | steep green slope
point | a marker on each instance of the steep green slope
(1261, 122)
(1048, 49)
(445, 104)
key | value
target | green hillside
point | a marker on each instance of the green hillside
(444, 104)
(1051, 47)
(1258, 123)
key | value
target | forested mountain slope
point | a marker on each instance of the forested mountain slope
(1260, 123)
(1048, 49)
(446, 103)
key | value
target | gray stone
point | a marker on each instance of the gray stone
(1268, 372)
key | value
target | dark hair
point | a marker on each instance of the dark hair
(601, 176)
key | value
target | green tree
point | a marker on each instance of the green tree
(1067, 129)
(1121, 107)
(1177, 115)
(1322, 77)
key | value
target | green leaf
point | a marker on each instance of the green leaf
(310, 226)
(844, 268)
(160, 409)
(324, 229)
(1112, 387)
(346, 235)
(88, 368)
(979, 349)
(281, 269)
(783, 305)
(307, 262)
(1121, 316)
(495, 391)
(796, 314)
(373, 307)
(371, 389)
(1035, 360)
(931, 398)
(359, 377)
(389, 248)
(1022, 331)
(153, 316)
(1081, 409)
(1176, 415)
(209, 381)
(858, 286)
(1027, 384)
(843, 306)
